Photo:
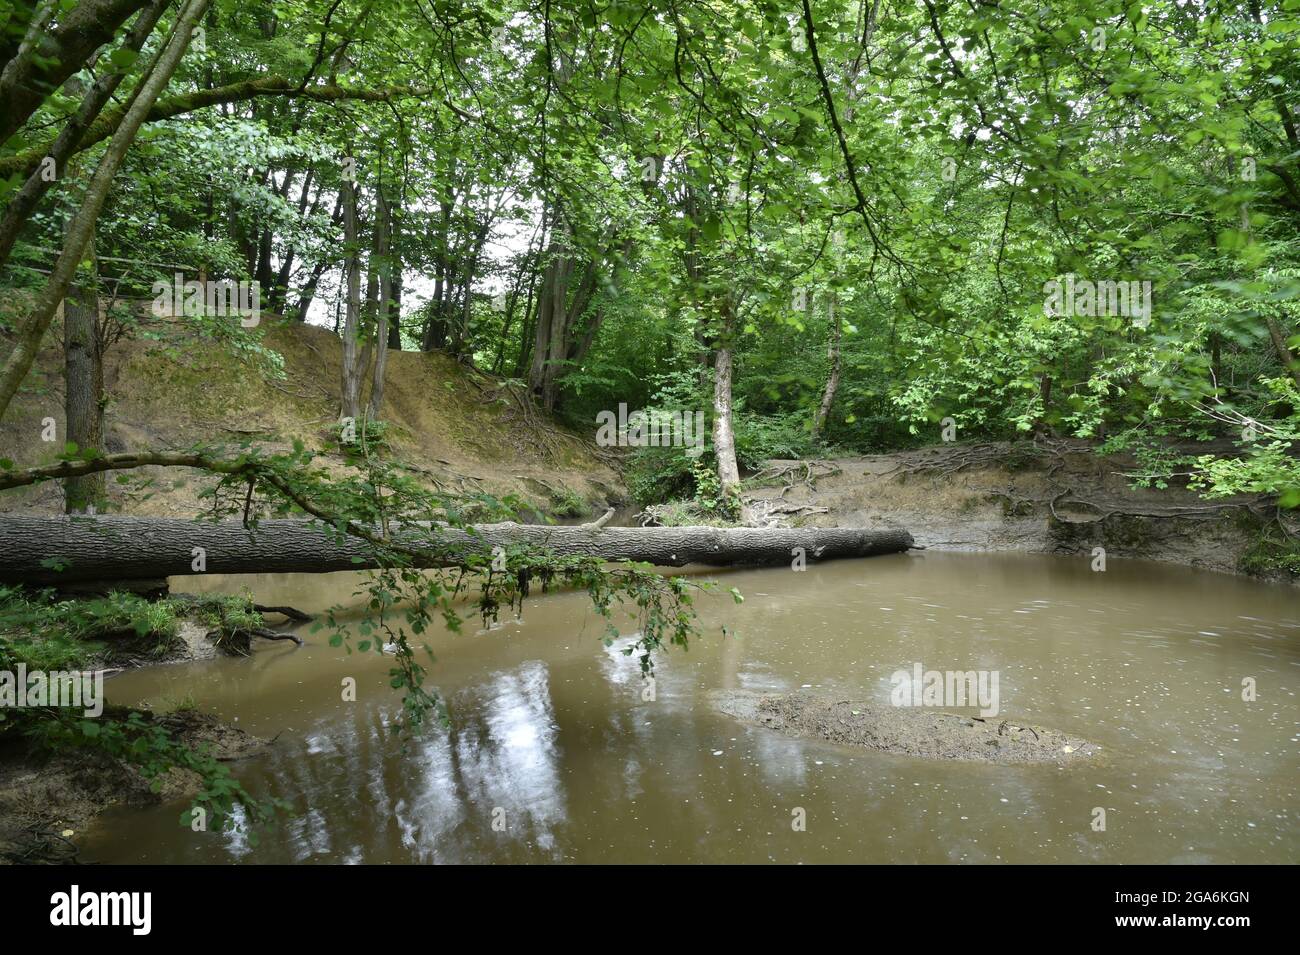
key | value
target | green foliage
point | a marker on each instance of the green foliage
(1276, 553)
(566, 502)
(992, 148)
(1268, 468)
(48, 634)
(359, 438)
(147, 743)
(658, 475)
(34, 633)
(759, 439)
(43, 633)
(711, 500)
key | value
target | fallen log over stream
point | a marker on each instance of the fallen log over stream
(61, 550)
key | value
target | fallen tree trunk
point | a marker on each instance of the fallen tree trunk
(71, 549)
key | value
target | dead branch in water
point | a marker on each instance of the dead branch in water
(290, 612)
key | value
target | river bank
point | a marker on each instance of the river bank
(1047, 497)
(48, 800)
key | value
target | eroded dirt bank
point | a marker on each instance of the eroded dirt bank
(47, 801)
(453, 428)
(906, 731)
(1059, 497)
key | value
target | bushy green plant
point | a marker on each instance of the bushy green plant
(30, 633)
(1272, 554)
(45, 633)
(711, 499)
(760, 438)
(566, 502)
(365, 435)
(659, 475)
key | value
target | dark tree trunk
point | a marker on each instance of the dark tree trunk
(383, 238)
(352, 369)
(57, 54)
(24, 203)
(395, 277)
(83, 373)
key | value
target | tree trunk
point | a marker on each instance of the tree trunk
(23, 27)
(82, 227)
(395, 276)
(461, 329)
(383, 235)
(724, 441)
(24, 203)
(833, 376)
(56, 54)
(125, 548)
(1283, 351)
(83, 374)
(551, 299)
(1041, 426)
(352, 321)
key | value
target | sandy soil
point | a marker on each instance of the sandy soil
(907, 731)
(453, 426)
(1061, 498)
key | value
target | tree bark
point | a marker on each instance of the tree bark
(83, 390)
(833, 376)
(125, 548)
(724, 440)
(383, 237)
(395, 274)
(22, 29)
(56, 55)
(352, 320)
(24, 203)
(1283, 351)
(82, 227)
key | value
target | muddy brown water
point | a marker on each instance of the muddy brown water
(551, 735)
